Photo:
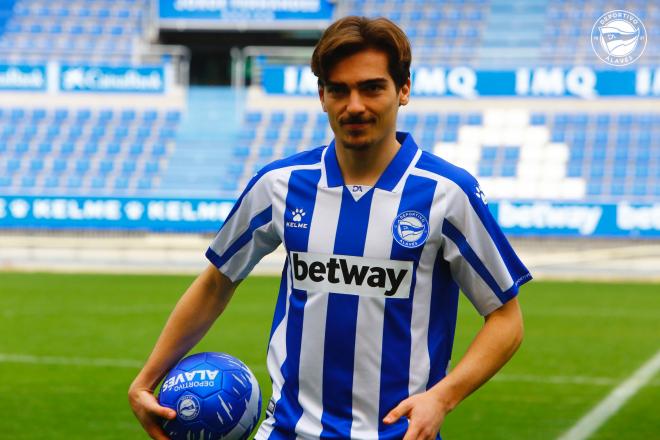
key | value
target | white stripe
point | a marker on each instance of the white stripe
(274, 360)
(588, 424)
(370, 318)
(420, 360)
(322, 232)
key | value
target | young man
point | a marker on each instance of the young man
(379, 237)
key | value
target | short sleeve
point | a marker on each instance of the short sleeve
(247, 234)
(481, 259)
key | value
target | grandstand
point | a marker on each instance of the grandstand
(558, 143)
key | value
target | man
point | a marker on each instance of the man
(379, 236)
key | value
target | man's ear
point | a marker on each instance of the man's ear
(322, 97)
(404, 93)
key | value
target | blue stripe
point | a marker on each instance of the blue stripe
(398, 166)
(301, 197)
(263, 218)
(519, 273)
(280, 306)
(471, 257)
(442, 325)
(341, 322)
(396, 350)
(332, 171)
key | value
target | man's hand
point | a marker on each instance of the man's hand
(425, 414)
(149, 412)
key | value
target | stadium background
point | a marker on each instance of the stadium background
(129, 127)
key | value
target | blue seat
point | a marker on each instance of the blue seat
(73, 182)
(59, 165)
(300, 118)
(508, 170)
(144, 183)
(98, 182)
(486, 169)
(113, 149)
(489, 153)
(620, 170)
(91, 148)
(277, 118)
(128, 168)
(173, 116)
(289, 150)
(52, 181)
(120, 183)
(82, 166)
(272, 135)
(151, 167)
(127, 115)
(295, 134)
(136, 149)
(13, 165)
(36, 165)
(474, 119)
(158, 150)
(253, 118)
(265, 152)
(106, 166)
(574, 170)
(83, 115)
(28, 181)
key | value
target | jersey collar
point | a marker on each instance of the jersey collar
(392, 174)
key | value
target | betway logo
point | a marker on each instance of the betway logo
(352, 275)
(190, 376)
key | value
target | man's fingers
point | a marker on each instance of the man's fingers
(156, 432)
(400, 410)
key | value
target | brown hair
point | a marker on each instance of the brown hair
(350, 35)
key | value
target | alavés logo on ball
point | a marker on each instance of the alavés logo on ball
(410, 229)
(618, 37)
(188, 407)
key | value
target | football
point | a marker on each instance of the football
(215, 396)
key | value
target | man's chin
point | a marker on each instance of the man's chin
(358, 143)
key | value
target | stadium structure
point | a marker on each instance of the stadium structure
(110, 132)
(128, 129)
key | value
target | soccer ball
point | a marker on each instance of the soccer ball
(215, 397)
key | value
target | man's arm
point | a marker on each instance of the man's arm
(193, 315)
(493, 346)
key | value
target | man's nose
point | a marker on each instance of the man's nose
(355, 104)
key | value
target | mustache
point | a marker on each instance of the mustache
(355, 120)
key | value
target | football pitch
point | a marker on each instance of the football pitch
(71, 344)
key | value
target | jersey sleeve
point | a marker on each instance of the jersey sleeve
(247, 234)
(481, 259)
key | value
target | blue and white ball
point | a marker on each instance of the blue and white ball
(215, 397)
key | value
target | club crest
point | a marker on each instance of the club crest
(410, 229)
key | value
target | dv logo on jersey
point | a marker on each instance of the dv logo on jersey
(352, 275)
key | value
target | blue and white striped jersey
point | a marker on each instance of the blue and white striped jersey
(367, 304)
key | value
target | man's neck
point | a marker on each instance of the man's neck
(364, 167)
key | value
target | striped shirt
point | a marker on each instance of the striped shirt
(367, 303)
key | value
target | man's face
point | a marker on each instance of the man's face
(362, 101)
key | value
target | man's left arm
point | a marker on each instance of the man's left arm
(493, 346)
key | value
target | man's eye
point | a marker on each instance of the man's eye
(373, 87)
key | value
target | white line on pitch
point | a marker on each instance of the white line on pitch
(588, 424)
(57, 360)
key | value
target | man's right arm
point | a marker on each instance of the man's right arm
(193, 315)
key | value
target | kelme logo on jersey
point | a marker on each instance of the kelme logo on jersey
(410, 229)
(352, 275)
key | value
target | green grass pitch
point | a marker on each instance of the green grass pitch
(582, 340)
